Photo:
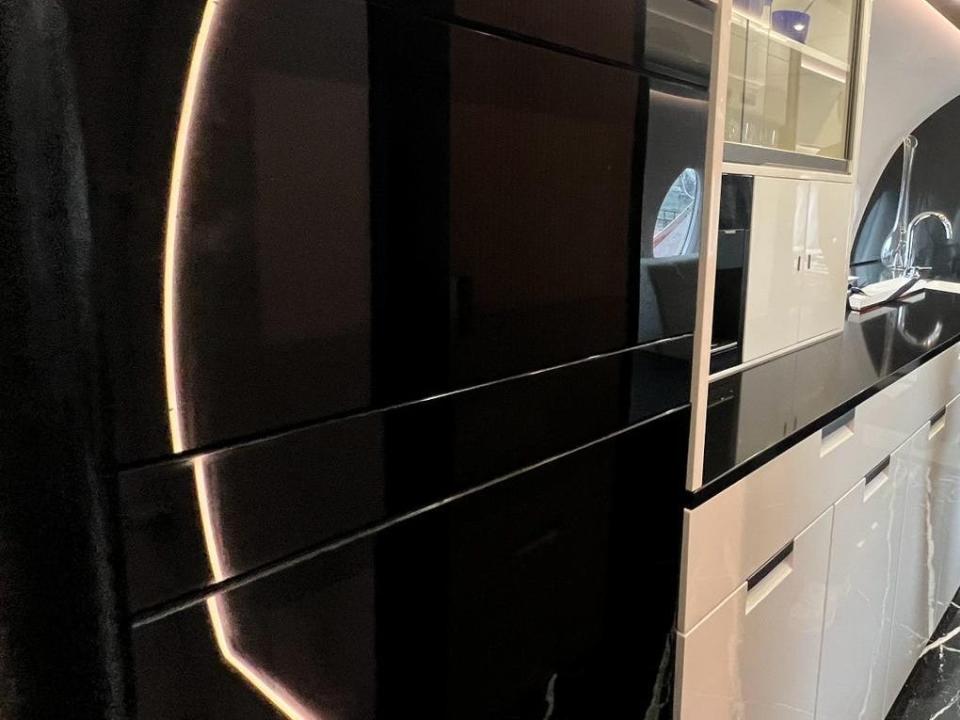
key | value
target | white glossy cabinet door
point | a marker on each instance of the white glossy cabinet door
(944, 456)
(755, 656)
(826, 260)
(914, 614)
(774, 277)
(857, 622)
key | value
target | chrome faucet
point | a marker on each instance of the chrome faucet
(910, 250)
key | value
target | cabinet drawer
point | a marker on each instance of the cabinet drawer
(733, 534)
(850, 447)
(894, 414)
(755, 656)
(952, 369)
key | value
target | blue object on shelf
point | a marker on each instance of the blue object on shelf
(752, 7)
(793, 23)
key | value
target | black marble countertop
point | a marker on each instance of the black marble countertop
(758, 413)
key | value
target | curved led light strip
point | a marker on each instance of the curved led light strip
(274, 692)
(271, 690)
(171, 358)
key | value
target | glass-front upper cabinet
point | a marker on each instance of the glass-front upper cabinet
(791, 80)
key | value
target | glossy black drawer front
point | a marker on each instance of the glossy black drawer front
(252, 504)
(668, 36)
(553, 590)
(371, 206)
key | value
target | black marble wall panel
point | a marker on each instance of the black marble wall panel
(553, 590)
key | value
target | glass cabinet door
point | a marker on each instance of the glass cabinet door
(790, 79)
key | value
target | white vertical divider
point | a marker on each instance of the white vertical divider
(709, 220)
(856, 125)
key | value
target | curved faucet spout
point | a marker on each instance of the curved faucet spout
(910, 251)
(944, 220)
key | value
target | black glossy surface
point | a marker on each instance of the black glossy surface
(370, 325)
(664, 36)
(730, 287)
(377, 206)
(758, 413)
(933, 689)
(281, 494)
(502, 604)
(936, 174)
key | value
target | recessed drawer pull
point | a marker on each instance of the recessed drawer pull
(874, 480)
(876, 472)
(938, 421)
(768, 577)
(837, 432)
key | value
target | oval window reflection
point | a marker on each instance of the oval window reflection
(676, 230)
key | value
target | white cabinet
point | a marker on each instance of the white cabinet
(777, 240)
(895, 553)
(857, 622)
(755, 656)
(915, 616)
(894, 569)
(943, 452)
(929, 567)
(797, 265)
(826, 261)
(830, 625)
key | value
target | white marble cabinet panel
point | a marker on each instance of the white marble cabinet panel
(864, 555)
(915, 616)
(944, 455)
